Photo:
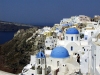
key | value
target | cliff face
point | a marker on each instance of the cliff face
(15, 54)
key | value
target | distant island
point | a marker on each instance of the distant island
(11, 26)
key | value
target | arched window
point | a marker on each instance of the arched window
(57, 63)
(85, 38)
(71, 38)
(71, 48)
(91, 33)
(77, 37)
(39, 61)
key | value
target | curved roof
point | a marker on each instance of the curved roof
(59, 52)
(72, 31)
(40, 55)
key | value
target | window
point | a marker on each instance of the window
(85, 60)
(71, 48)
(91, 33)
(57, 63)
(95, 24)
(52, 45)
(71, 38)
(92, 57)
(33, 68)
(77, 37)
(85, 38)
(39, 61)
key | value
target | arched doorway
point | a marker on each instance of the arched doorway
(39, 70)
(49, 69)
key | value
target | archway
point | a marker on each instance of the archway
(39, 70)
(49, 69)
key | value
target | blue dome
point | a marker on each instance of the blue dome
(40, 55)
(59, 52)
(72, 31)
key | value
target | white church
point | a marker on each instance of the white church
(58, 63)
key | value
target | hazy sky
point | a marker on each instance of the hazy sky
(46, 12)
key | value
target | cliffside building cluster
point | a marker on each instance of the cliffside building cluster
(63, 42)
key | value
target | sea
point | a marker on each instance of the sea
(6, 36)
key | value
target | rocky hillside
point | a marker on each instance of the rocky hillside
(15, 54)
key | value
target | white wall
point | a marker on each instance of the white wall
(50, 42)
(32, 59)
(97, 56)
(87, 34)
(68, 37)
(54, 61)
(76, 47)
(93, 58)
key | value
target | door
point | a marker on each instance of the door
(57, 71)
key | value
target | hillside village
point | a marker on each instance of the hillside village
(61, 44)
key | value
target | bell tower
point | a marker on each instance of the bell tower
(40, 67)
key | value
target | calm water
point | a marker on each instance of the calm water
(6, 36)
